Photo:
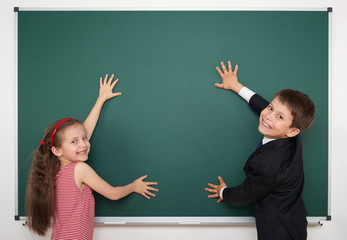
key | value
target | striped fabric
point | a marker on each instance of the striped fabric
(74, 209)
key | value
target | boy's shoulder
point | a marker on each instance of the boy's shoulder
(275, 153)
(282, 144)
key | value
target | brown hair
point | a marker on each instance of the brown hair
(301, 106)
(41, 184)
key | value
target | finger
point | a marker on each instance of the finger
(100, 81)
(114, 83)
(213, 196)
(151, 194)
(229, 66)
(223, 67)
(219, 85)
(143, 194)
(151, 183)
(110, 79)
(105, 79)
(212, 185)
(219, 71)
(236, 68)
(211, 190)
(219, 200)
(153, 189)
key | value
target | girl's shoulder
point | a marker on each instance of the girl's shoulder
(81, 166)
(82, 171)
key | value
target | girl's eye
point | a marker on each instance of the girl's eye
(74, 141)
(280, 116)
(270, 108)
(85, 138)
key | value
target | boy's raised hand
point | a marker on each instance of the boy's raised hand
(229, 78)
(106, 88)
(144, 188)
(215, 189)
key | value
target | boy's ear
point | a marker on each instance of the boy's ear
(293, 132)
(56, 151)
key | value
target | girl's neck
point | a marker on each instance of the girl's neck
(62, 164)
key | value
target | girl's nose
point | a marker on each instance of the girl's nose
(83, 143)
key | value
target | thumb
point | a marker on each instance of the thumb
(219, 85)
(143, 177)
(220, 180)
(117, 94)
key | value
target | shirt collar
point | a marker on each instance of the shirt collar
(266, 140)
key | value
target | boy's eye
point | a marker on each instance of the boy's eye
(73, 141)
(85, 138)
(280, 116)
(270, 108)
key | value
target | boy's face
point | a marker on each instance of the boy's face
(275, 121)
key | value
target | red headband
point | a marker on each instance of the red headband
(56, 128)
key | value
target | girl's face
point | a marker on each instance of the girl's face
(75, 145)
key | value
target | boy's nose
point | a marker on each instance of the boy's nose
(269, 116)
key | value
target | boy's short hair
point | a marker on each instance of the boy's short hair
(301, 106)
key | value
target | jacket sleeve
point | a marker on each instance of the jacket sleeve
(257, 103)
(259, 182)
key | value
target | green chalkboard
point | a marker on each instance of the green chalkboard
(171, 122)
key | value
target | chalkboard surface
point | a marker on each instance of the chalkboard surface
(171, 122)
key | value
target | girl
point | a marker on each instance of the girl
(61, 183)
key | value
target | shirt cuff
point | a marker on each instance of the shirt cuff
(221, 193)
(246, 94)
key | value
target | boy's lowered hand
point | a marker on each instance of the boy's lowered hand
(216, 189)
(229, 78)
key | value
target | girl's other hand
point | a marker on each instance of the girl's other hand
(144, 188)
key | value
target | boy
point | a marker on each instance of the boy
(274, 172)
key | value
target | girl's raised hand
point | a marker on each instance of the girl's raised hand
(229, 78)
(144, 188)
(106, 88)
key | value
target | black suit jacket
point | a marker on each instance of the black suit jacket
(274, 183)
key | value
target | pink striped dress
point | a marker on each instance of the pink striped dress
(74, 209)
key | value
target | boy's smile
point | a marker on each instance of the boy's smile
(275, 121)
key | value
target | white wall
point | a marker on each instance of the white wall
(335, 229)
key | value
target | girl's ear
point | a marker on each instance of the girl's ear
(56, 151)
(293, 132)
